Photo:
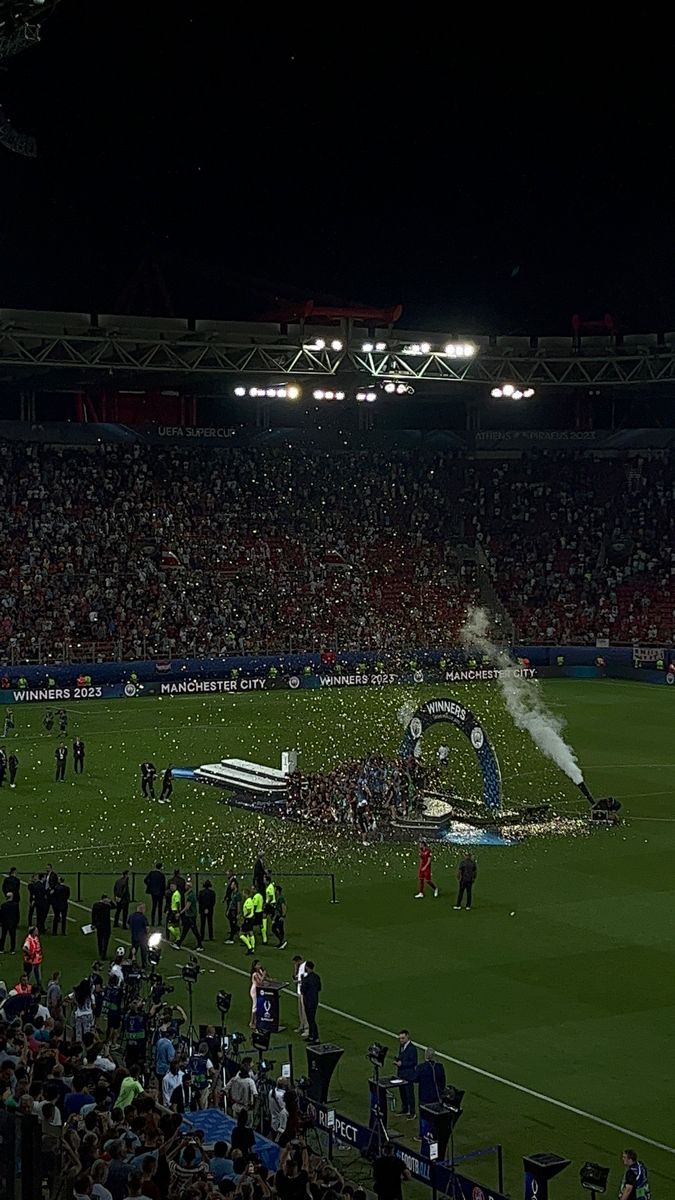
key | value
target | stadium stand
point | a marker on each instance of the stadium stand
(118, 552)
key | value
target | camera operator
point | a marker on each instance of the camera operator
(241, 1092)
(202, 1071)
(135, 1030)
(113, 994)
(165, 1053)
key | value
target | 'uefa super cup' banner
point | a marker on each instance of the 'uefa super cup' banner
(437, 1175)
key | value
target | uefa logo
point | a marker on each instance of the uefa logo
(477, 737)
(294, 682)
(130, 689)
(670, 678)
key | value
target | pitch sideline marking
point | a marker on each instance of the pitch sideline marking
(459, 1062)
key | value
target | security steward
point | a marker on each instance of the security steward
(635, 1184)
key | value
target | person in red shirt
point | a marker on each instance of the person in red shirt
(32, 955)
(424, 872)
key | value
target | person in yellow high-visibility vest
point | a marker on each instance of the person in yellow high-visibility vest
(268, 909)
(247, 935)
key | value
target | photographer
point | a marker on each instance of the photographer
(135, 1029)
(278, 1109)
(202, 1071)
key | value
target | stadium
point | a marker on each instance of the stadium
(337, 653)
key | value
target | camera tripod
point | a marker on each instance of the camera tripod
(191, 1033)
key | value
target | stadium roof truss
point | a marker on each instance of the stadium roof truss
(31, 342)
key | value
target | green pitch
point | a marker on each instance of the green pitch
(556, 993)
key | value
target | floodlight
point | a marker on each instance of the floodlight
(517, 394)
(330, 395)
(377, 1053)
(367, 347)
(508, 389)
(371, 397)
(380, 346)
(270, 393)
(390, 387)
(319, 344)
(452, 1098)
(318, 394)
(497, 393)
(425, 347)
(528, 393)
(240, 391)
(593, 1177)
(336, 344)
(469, 350)
(154, 940)
(293, 392)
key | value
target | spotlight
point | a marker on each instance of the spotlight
(190, 971)
(390, 387)
(270, 393)
(330, 395)
(155, 940)
(517, 394)
(318, 394)
(497, 393)
(293, 392)
(223, 1002)
(380, 347)
(367, 348)
(376, 1053)
(593, 1177)
(240, 391)
(367, 397)
(425, 348)
(318, 344)
(452, 1098)
(339, 395)
(336, 344)
(528, 393)
(508, 389)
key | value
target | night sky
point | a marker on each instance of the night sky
(192, 161)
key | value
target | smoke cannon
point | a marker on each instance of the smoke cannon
(585, 791)
(605, 809)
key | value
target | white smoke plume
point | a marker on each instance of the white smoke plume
(522, 697)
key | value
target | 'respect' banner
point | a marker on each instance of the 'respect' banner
(437, 1175)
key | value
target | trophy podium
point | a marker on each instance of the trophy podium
(267, 1007)
(539, 1168)
(321, 1062)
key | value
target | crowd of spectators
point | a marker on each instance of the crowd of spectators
(132, 552)
(111, 1085)
(362, 795)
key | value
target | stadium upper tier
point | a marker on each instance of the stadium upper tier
(119, 552)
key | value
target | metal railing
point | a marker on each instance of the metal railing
(137, 879)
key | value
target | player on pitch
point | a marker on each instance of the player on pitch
(424, 872)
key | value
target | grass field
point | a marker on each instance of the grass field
(554, 999)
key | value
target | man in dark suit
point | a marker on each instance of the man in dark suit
(100, 919)
(311, 986)
(466, 875)
(406, 1065)
(60, 898)
(78, 755)
(206, 902)
(9, 920)
(61, 756)
(155, 887)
